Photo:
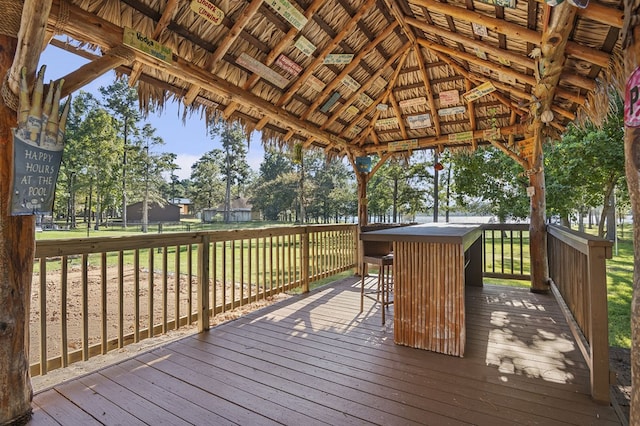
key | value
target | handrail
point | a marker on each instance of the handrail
(577, 268)
(166, 281)
(506, 255)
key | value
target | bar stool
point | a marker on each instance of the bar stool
(381, 294)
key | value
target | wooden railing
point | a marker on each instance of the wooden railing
(577, 267)
(94, 295)
(506, 251)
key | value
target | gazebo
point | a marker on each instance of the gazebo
(354, 78)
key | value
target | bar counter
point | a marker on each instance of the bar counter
(432, 264)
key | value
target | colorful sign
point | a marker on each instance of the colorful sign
(506, 78)
(355, 130)
(461, 137)
(632, 100)
(412, 102)
(449, 97)
(504, 61)
(305, 46)
(289, 12)
(262, 70)
(491, 134)
(452, 111)
(363, 164)
(387, 122)
(208, 11)
(382, 107)
(144, 44)
(288, 65)
(419, 121)
(479, 91)
(315, 83)
(352, 110)
(330, 102)
(479, 30)
(503, 3)
(480, 53)
(338, 58)
(350, 83)
(365, 99)
(403, 145)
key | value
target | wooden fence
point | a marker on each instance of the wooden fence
(506, 251)
(577, 267)
(95, 295)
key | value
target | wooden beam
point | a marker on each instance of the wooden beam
(598, 12)
(283, 44)
(212, 60)
(167, 15)
(514, 156)
(513, 30)
(472, 114)
(346, 30)
(427, 87)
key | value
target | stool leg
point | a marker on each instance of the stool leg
(381, 290)
(364, 267)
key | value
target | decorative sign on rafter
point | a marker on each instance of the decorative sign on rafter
(391, 122)
(403, 145)
(419, 121)
(262, 70)
(146, 45)
(452, 111)
(449, 97)
(355, 130)
(382, 107)
(461, 137)
(507, 78)
(503, 3)
(380, 83)
(288, 65)
(338, 58)
(305, 46)
(208, 11)
(351, 83)
(479, 30)
(289, 12)
(504, 61)
(479, 91)
(330, 102)
(412, 102)
(352, 110)
(365, 99)
(315, 83)
(491, 134)
(480, 53)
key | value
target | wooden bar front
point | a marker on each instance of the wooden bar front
(432, 263)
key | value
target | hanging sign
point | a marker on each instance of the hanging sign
(503, 3)
(403, 145)
(315, 83)
(419, 121)
(144, 44)
(387, 122)
(365, 99)
(506, 78)
(305, 46)
(330, 102)
(380, 83)
(351, 83)
(352, 110)
(479, 30)
(461, 137)
(485, 70)
(382, 107)
(38, 143)
(338, 58)
(262, 70)
(479, 91)
(480, 53)
(289, 12)
(632, 100)
(504, 61)
(288, 65)
(449, 97)
(363, 164)
(412, 102)
(208, 11)
(444, 112)
(355, 130)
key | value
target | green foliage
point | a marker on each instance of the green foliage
(492, 177)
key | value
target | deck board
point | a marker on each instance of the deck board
(314, 359)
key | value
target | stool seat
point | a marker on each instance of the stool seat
(384, 285)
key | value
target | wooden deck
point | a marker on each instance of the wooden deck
(315, 360)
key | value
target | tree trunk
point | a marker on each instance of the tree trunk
(606, 208)
(436, 186)
(538, 226)
(17, 234)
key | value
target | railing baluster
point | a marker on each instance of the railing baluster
(165, 289)
(190, 283)
(103, 292)
(64, 341)
(176, 287)
(120, 299)
(136, 283)
(85, 307)
(150, 299)
(43, 316)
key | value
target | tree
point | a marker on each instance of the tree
(207, 187)
(274, 191)
(235, 168)
(122, 101)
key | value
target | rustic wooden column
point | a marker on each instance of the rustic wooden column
(631, 42)
(537, 223)
(21, 36)
(363, 215)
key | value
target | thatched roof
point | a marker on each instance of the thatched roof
(359, 76)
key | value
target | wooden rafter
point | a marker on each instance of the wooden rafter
(471, 109)
(427, 87)
(231, 36)
(167, 15)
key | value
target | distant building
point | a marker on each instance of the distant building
(240, 211)
(157, 213)
(184, 204)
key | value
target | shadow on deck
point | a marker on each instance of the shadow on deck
(315, 359)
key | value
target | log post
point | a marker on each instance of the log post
(363, 215)
(16, 267)
(537, 223)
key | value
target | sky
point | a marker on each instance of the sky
(189, 141)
